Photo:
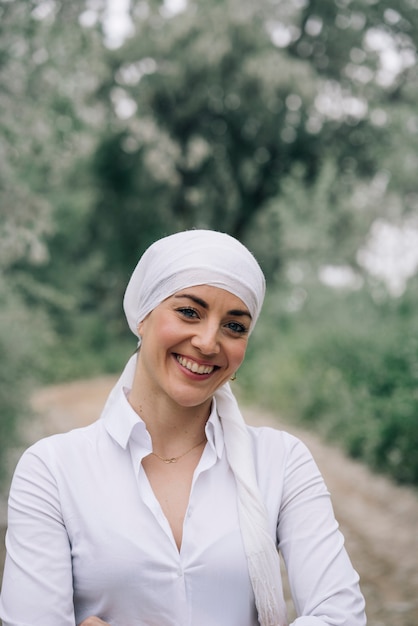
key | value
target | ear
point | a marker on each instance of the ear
(141, 325)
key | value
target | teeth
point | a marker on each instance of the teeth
(194, 367)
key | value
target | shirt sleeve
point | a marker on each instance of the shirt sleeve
(37, 583)
(322, 580)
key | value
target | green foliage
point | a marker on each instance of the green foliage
(204, 147)
(46, 78)
(42, 124)
(347, 367)
(315, 223)
(23, 336)
(208, 118)
(278, 122)
(90, 349)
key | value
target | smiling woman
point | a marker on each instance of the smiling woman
(191, 337)
(175, 509)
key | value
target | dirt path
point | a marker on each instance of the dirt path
(378, 519)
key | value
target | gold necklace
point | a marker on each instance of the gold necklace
(174, 459)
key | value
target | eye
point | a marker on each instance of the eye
(188, 312)
(237, 328)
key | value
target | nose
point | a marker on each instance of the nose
(206, 339)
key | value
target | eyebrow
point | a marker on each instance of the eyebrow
(204, 305)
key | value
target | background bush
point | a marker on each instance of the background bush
(279, 122)
(23, 337)
(347, 367)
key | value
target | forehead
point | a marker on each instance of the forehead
(211, 296)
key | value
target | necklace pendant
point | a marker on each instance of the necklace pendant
(174, 459)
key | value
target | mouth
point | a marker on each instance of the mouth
(194, 367)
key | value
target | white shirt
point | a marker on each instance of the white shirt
(87, 536)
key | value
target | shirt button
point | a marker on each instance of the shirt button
(179, 572)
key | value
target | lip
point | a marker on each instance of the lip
(199, 370)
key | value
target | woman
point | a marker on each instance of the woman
(168, 510)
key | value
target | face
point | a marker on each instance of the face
(192, 343)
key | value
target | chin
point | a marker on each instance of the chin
(189, 399)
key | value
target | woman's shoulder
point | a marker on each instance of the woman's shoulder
(274, 444)
(62, 446)
(272, 437)
(283, 463)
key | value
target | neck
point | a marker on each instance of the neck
(168, 422)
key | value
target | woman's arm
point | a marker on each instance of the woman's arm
(323, 583)
(37, 583)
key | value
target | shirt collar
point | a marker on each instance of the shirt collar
(123, 423)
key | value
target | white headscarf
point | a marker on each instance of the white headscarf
(204, 257)
(190, 258)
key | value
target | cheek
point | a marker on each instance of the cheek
(239, 354)
(168, 332)
(155, 328)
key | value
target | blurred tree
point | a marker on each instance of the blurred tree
(212, 109)
(208, 117)
(277, 122)
(201, 131)
(51, 62)
(291, 125)
(366, 54)
(45, 127)
(49, 67)
(361, 44)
